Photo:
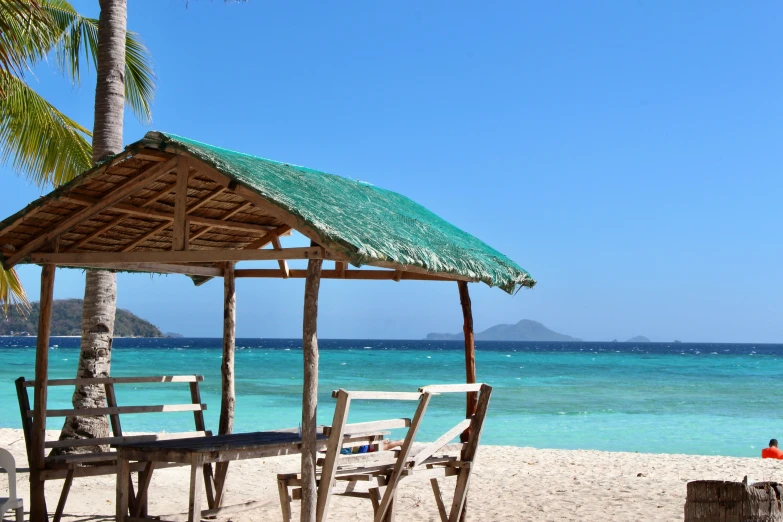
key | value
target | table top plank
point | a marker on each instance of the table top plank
(218, 443)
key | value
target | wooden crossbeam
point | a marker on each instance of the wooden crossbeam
(131, 186)
(372, 275)
(106, 259)
(157, 268)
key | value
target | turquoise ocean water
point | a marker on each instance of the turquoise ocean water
(711, 399)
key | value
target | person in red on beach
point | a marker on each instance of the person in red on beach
(772, 452)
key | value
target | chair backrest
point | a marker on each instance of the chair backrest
(8, 463)
(340, 428)
(472, 425)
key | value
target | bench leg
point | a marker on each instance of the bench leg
(196, 486)
(20, 514)
(221, 472)
(285, 499)
(140, 509)
(209, 486)
(123, 489)
(58, 514)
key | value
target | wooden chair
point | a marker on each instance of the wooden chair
(73, 466)
(384, 470)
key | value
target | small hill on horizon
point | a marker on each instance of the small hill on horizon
(638, 339)
(67, 320)
(524, 330)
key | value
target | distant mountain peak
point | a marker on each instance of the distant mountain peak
(524, 330)
(638, 339)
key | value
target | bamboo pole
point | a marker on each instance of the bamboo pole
(310, 389)
(470, 351)
(37, 497)
(228, 397)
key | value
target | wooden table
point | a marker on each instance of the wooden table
(199, 453)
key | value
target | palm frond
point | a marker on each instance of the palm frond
(79, 36)
(12, 293)
(40, 141)
(26, 34)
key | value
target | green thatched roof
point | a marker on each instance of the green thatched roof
(365, 222)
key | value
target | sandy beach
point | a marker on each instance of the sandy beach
(509, 483)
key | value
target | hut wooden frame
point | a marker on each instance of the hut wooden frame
(158, 211)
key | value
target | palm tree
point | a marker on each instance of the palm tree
(49, 148)
(100, 290)
(36, 139)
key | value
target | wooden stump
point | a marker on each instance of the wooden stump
(717, 500)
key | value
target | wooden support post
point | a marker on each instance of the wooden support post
(181, 225)
(470, 350)
(37, 497)
(470, 365)
(228, 397)
(310, 388)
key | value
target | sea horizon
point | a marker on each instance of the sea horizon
(678, 398)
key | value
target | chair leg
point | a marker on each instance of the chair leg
(63, 496)
(20, 514)
(285, 500)
(460, 495)
(444, 517)
(375, 498)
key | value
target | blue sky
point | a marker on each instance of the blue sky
(627, 154)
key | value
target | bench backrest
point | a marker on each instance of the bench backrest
(113, 410)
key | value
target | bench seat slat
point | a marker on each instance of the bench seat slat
(73, 443)
(119, 380)
(97, 412)
(83, 457)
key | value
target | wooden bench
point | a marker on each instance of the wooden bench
(73, 466)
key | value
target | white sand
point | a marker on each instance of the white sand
(509, 483)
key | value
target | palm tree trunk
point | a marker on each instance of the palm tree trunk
(100, 303)
(100, 292)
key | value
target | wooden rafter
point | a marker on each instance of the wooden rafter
(166, 216)
(284, 271)
(227, 215)
(131, 186)
(257, 200)
(192, 256)
(180, 226)
(340, 267)
(116, 221)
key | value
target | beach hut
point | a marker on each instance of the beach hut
(169, 204)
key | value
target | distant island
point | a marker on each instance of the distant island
(638, 339)
(67, 320)
(524, 330)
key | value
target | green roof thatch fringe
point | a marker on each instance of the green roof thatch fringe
(365, 222)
